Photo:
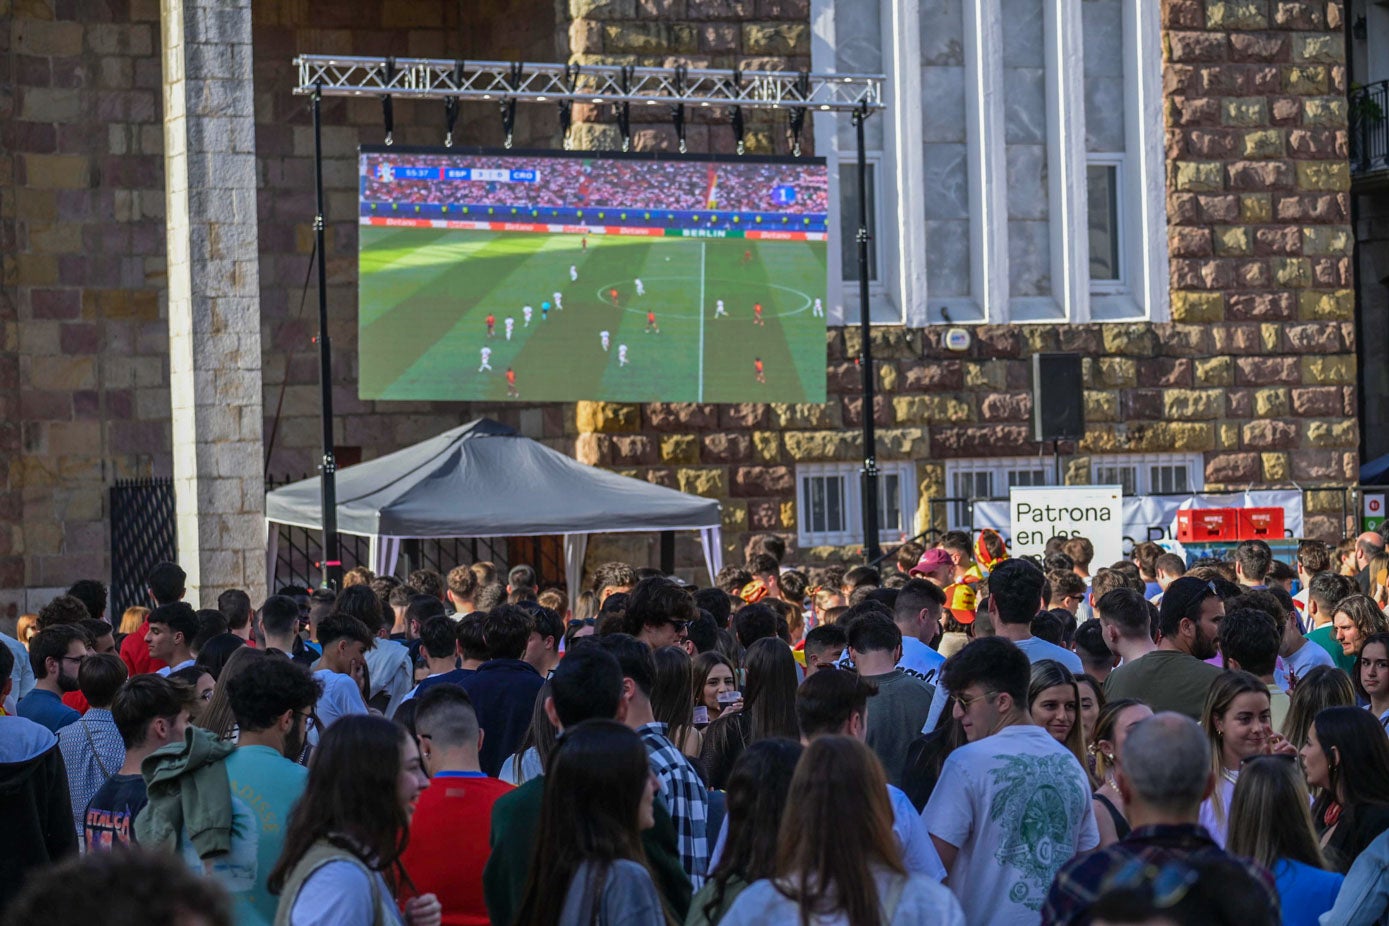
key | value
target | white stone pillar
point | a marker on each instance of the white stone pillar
(214, 310)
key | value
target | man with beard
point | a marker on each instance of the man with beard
(272, 701)
(55, 654)
(1175, 677)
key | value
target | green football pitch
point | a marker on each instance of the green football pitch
(425, 295)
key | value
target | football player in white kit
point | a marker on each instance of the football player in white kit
(622, 355)
(603, 336)
(573, 273)
(559, 302)
(641, 290)
(818, 309)
(718, 309)
(510, 324)
(526, 312)
(486, 360)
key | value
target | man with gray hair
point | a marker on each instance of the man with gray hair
(1164, 773)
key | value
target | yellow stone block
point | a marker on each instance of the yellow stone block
(1325, 111)
(1192, 307)
(1272, 336)
(1244, 111)
(1265, 143)
(1200, 176)
(1192, 404)
(1275, 466)
(709, 482)
(1101, 405)
(735, 515)
(1291, 272)
(1327, 370)
(1328, 434)
(1271, 403)
(767, 446)
(1318, 48)
(1233, 240)
(1214, 371)
(1227, 436)
(930, 410)
(1323, 175)
(1255, 208)
(1327, 239)
(1118, 372)
(607, 417)
(1321, 305)
(1325, 500)
(1310, 80)
(806, 446)
(1237, 14)
(679, 448)
(787, 517)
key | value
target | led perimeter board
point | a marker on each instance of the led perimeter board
(493, 275)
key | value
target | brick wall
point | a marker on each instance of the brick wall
(83, 341)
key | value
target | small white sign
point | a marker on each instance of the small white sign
(1038, 514)
(1374, 506)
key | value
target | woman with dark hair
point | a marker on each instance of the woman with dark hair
(714, 675)
(588, 866)
(216, 651)
(201, 683)
(341, 861)
(1270, 824)
(1371, 676)
(1111, 729)
(670, 699)
(769, 709)
(926, 757)
(757, 791)
(842, 868)
(217, 717)
(533, 755)
(360, 602)
(1347, 757)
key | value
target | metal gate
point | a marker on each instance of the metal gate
(142, 536)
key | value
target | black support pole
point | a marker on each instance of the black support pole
(332, 559)
(871, 549)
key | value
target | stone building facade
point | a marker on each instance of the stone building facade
(1245, 363)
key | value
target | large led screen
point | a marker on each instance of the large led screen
(492, 275)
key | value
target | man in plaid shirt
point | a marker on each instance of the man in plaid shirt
(1164, 772)
(682, 790)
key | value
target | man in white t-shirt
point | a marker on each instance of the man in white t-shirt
(1015, 597)
(345, 641)
(917, 613)
(1012, 805)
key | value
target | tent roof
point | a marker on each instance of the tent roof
(484, 479)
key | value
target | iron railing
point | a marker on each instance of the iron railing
(142, 536)
(1369, 130)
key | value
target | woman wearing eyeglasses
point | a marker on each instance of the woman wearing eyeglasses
(1239, 724)
(1270, 823)
(1347, 757)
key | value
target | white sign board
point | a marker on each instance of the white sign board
(1039, 513)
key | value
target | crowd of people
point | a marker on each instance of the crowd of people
(960, 737)
(748, 186)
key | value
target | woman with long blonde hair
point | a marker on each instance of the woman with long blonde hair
(1053, 700)
(842, 869)
(1270, 823)
(1238, 721)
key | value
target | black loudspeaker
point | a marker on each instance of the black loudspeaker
(1058, 397)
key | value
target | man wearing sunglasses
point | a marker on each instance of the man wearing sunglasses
(1174, 676)
(1164, 773)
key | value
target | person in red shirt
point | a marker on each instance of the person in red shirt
(757, 365)
(613, 293)
(651, 322)
(511, 391)
(491, 325)
(443, 858)
(757, 315)
(165, 585)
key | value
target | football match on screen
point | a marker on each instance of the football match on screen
(557, 277)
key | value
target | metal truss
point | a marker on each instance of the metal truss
(527, 82)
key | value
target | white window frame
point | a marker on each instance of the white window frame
(1118, 286)
(853, 503)
(877, 287)
(1000, 468)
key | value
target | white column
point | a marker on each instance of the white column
(214, 288)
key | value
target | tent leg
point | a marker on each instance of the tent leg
(668, 552)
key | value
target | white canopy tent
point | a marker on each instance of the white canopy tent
(484, 479)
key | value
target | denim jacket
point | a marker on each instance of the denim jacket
(1364, 896)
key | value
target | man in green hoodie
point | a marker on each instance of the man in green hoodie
(586, 685)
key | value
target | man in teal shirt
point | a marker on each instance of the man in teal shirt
(272, 701)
